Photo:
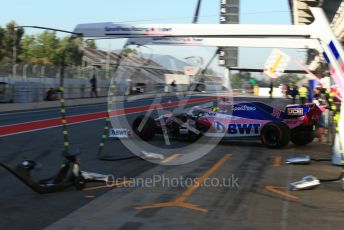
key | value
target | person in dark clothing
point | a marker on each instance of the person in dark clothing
(93, 82)
(294, 93)
(320, 100)
(51, 95)
(173, 86)
(271, 89)
(287, 92)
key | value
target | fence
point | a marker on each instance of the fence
(50, 71)
(30, 83)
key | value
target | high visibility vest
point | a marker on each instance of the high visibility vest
(303, 92)
(256, 90)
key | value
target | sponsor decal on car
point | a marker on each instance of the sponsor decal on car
(276, 113)
(243, 108)
(119, 133)
(295, 111)
(219, 127)
(243, 128)
(211, 114)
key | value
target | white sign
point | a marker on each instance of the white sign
(177, 78)
(119, 133)
(276, 63)
(191, 70)
(225, 42)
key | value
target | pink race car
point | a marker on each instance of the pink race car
(238, 120)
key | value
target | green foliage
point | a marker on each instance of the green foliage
(91, 44)
(2, 34)
(10, 39)
(246, 76)
(236, 81)
(73, 55)
(27, 44)
(290, 78)
(44, 48)
(209, 71)
(127, 51)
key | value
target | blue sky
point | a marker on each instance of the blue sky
(65, 14)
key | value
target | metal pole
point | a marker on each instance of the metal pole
(195, 18)
(225, 80)
(14, 58)
(108, 59)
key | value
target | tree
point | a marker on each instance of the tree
(27, 44)
(209, 71)
(73, 55)
(236, 81)
(2, 34)
(127, 51)
(91, 44)
(246, 76)
(290, 78)
(11, 42)
(45, 48)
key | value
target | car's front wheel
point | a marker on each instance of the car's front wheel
(275, 135)
(148, 129)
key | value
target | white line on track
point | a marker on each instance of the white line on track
(67, 107)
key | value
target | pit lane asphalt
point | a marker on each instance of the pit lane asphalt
(23, 209)
(20, 208)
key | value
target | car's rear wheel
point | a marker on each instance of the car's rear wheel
(194, 136)
(302, 135)
(275, 135)
(200, 88)
(148, 129)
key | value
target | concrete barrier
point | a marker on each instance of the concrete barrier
(34, 89)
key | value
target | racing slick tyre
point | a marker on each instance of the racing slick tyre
(200, 88)
(275, 135)
(148, 130)
(194, 136)
(302, 135)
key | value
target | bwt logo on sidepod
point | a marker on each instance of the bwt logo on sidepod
(243, 128)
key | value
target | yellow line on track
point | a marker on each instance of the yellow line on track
(277, 161)
(180, 201)
(107, 186)
(276, 190)
(89, 196)
(170, 158)
(200, 180)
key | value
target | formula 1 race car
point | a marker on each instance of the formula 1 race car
(236, 120)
